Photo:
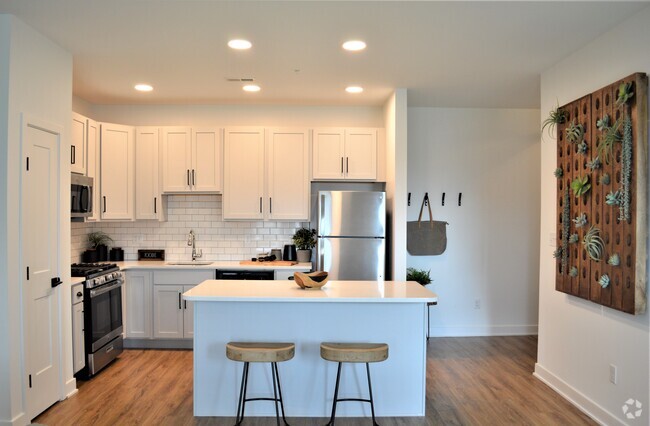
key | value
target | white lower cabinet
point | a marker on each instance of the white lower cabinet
(173, 317)
(138, 301)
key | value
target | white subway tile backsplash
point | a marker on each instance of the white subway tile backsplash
(219, 240)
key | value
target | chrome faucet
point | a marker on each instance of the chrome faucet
(191, 241)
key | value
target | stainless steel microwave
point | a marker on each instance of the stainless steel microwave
(81, 196)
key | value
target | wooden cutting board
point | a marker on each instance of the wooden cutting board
(272, 263)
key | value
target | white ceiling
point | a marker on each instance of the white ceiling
(451, 54)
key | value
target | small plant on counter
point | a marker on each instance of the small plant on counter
(558, 173)
(604, 281)
(614, 260)
(580, 185)
(573, 272)
(575, 133)
(304, 239)
(593, 244)
(574, 238)
(555, 116)
(594, 164)
(605, 179)
(580, 221)
(99, 238)
(420, 275)
(613, 198)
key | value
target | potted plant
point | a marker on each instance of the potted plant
(419, 275)
(99, 241)
(305, 240)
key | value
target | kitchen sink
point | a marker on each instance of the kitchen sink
(191, 263)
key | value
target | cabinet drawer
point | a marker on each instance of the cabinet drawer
(184, 277)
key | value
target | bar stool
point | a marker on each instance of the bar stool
(273, 353)
(353, 352)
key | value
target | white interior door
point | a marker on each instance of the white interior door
(40, 236)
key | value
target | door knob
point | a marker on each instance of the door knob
(56, 281)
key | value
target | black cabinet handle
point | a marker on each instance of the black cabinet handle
(347, 164)
(193, 181)
(270, 205)
(341, 165)
(79, 294)
(56, 281)
(185, 303)
(104, 203)
(179, 301)
(73, 154)
(260, 204)
(155, 204)
(188, 177)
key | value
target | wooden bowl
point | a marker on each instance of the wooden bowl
(312, 281)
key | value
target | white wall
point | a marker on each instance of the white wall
(492, 157)
(237, 115)
(578, 340)
(39, 79)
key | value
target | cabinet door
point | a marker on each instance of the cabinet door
(188, 315)
(207, 160)
(147, 194)
(176, 159)
(78, 351)
(138, 290)
(92, 166)
(287, 154)
(243, 174)
(167, 312)
(78, 144)
(328, 153)
(117, 171)
(361, 154)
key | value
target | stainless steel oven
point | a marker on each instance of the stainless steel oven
(81, 196)
(102, 314)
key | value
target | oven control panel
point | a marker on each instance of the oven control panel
(106, 278)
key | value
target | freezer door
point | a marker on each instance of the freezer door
(354, 259)
(352, 213)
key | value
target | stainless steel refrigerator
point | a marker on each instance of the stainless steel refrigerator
(352, 234)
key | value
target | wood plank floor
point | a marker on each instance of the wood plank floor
(470, 381)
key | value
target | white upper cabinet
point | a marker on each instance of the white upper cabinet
(78, 144)
(287, 183)
(191, 160)
(117, 172)
(243, 190)
(92, 166)
(341, 154)
(147, 192)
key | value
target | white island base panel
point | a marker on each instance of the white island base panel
(307, 380)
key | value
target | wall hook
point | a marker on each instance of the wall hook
(426, 198)
(460, 195)
(443, 198)
(409, 199)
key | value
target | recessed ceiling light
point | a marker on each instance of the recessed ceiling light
(251, 88)
(240, 44)
(354, 45)
(143, 87)
(354, 89)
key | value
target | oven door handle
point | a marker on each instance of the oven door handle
(102, 290)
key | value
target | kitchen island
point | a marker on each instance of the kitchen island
(392, 312)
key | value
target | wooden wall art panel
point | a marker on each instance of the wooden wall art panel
(602, 186)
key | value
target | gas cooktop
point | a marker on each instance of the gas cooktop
(87, 269)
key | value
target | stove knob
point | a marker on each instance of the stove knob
(97, 281)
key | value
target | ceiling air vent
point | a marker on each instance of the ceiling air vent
(240, 80)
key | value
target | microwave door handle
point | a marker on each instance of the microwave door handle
(83, 199)
(100, 291)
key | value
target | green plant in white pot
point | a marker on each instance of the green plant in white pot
(305, 240)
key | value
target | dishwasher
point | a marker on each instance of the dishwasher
(225, 274)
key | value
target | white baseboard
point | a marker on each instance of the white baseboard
(483, 330)
(19, 420)
(70, 387)
(577, 398)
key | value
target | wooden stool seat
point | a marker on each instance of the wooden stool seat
(260, 351)
(354, 352)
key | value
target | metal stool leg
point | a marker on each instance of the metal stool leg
(277, 378)
(372, 403)
(275, 395)
(242, 395)
(336, 396)
(428, 321)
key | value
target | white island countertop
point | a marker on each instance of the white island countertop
(288, 291)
